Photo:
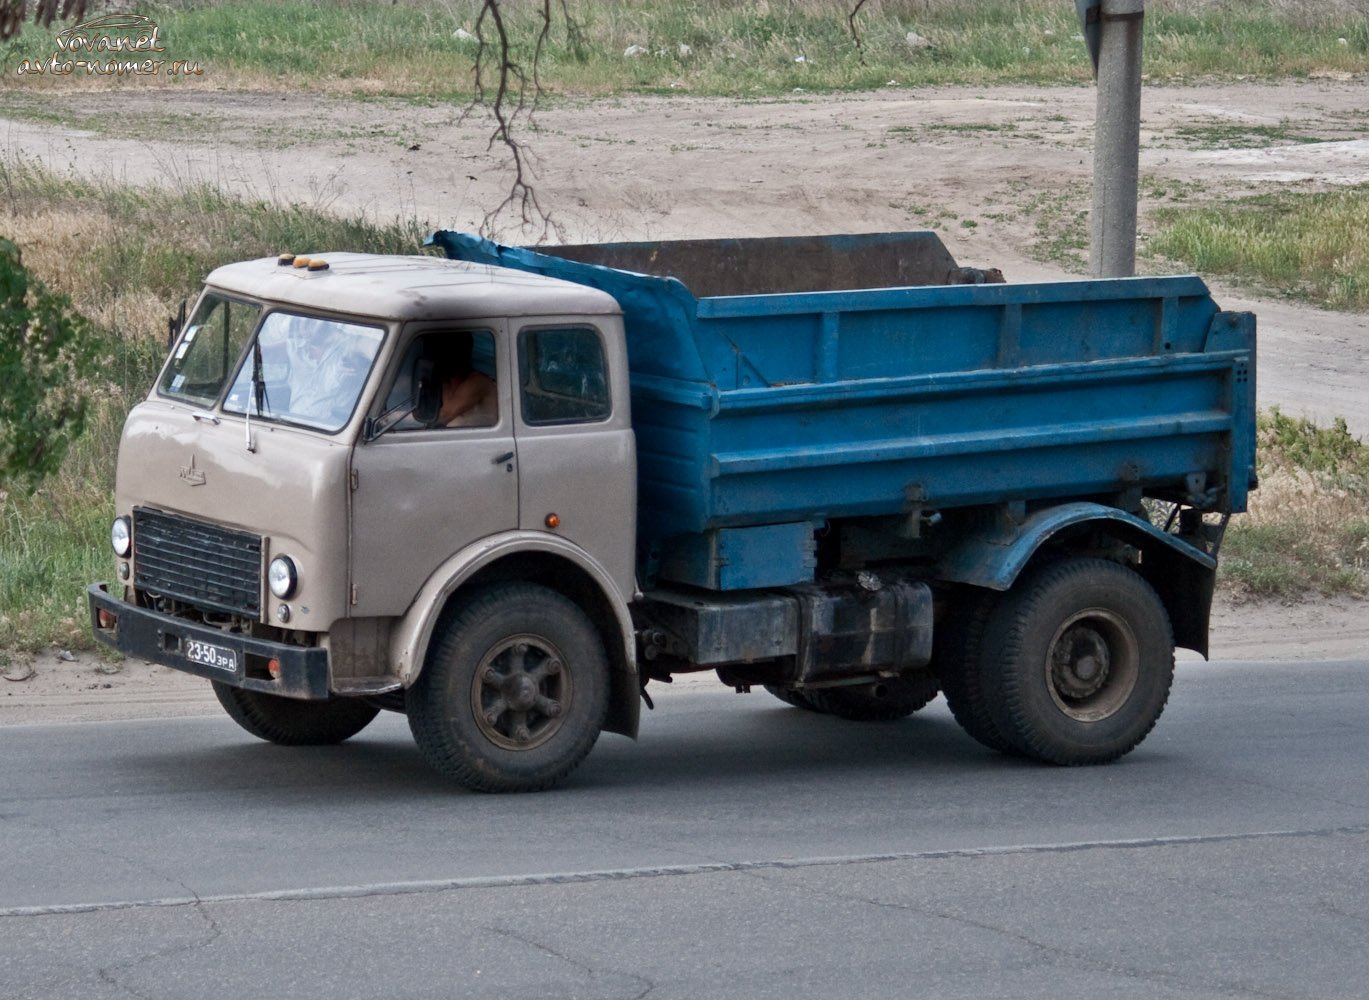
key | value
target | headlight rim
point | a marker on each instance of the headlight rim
(121, 541)
(283, 586)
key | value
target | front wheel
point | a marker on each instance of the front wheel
(291, 722)
(514, 691)
(1079, 659)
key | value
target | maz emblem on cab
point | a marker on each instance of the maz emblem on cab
(192, 475)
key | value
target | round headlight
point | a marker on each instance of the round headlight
(121, 537)
(282, 577)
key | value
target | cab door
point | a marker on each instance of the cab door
(578, 476)
(422, 493)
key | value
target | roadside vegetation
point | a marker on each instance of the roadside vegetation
(106, 248)
(427, 48)
(1307, 531)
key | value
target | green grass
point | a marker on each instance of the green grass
(720, 47)
(1306, 245)
(1238, 135)
(50, 544)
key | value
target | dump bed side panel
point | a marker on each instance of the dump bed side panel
(773, 408)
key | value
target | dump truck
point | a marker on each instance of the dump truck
(502, 489)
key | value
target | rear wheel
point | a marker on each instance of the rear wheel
(959, 665)
(291, 722)
(882, 701)
(514, 691)
(1080, 656)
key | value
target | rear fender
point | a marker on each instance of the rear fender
(1182, 575)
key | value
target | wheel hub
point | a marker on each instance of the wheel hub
(520, 693)
(1081, 663)
(1093, 665)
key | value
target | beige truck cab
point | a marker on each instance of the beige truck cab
(365, 482)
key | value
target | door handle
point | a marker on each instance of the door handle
(500, 460)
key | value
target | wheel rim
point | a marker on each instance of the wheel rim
(521, 692)
(1092, 665)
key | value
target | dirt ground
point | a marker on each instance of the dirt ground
(983, 167)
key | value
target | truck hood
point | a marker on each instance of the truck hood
(292, 490)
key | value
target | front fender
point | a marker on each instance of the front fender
(410, 637)
(1183, 576)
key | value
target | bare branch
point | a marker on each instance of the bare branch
(851, 23)
(503, 86)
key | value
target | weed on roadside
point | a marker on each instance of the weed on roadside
(1061, 220)
(1237, 135)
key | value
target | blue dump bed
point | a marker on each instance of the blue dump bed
(773, 385)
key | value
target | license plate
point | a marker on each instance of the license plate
(209, 655)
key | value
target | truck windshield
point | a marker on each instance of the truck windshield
(209, 349)
(304, 369)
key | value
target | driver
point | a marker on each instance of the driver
(468, 396)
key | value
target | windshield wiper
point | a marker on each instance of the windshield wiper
(259, 397)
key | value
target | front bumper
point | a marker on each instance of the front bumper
(148, 635)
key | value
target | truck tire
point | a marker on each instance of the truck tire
(883, 701)
(791, 696)
(1081, 658)
(958, 664)
(514, 691)
(294, 723)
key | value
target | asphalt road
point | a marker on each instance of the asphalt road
(740, 849)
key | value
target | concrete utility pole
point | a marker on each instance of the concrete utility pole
(1113, 30)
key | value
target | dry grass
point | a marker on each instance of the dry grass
(57, 241)
(1307, 530)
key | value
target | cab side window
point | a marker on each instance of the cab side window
(461, 364)
(563, 378)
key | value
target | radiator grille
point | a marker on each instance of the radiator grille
(213, 568)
